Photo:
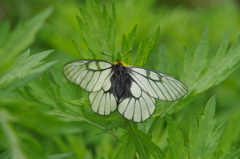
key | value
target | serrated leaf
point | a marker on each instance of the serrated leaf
(220, 66)
(200, 55)
(176, 143)
(203, 139)
(221, 51)
(127, 45)
(80, 51)
(98, 29)
(144, 49)
(127, 148)
(135, 141)
(233, 153)
(24, 31)
(202, 73)
(115, 124)
(25, 68)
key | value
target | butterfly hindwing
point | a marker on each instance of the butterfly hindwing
(137, 109)
(102, 103)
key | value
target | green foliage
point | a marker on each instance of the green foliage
(95, 23)
(204, 138)
(42, 115)
(15, 111)
(208, 71)
(144, 49)
(232, 153)
(202, 71)
(12, 44)
(24, 69)
(135, 141)
(128, 43)
(59, 156)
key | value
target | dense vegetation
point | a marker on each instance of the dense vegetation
(42, 115)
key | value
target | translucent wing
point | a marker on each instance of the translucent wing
(102, 103)
(147, 85)
(93, 76)
(157, 85)
(137, 109)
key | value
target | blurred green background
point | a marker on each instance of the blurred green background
(181, 22)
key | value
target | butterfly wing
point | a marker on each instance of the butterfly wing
(93, 76)
(146, 85)
(137, 109)
(157, 84)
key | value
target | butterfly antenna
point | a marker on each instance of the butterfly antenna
(109, 55)
(126, 54)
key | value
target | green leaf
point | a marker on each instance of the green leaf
(11, 135)
(135, 141)
(127, 45)
(11, 47)
(16, 126)
(144, 49)
(5, 155)
(25, 68)
(164, 64)
(200, 55)
(4, 31)
(176, 143)
(79, 102)
(98, 30)
(233, 153)
(59, 156)
(113, 125)
(203, 72)
(188, 65)
(203, 139)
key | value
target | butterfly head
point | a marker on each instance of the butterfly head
(119, 62)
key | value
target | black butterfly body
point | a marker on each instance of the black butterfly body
(120, 82)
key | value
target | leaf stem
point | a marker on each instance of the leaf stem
(90, 122)
(101, 127)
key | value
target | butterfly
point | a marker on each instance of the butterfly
(130, 89)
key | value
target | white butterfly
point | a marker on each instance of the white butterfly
(129, 89)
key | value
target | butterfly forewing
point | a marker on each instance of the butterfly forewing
(129, 89)
(91, 75)
(157, 84)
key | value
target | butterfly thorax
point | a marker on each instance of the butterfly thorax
(120, 82)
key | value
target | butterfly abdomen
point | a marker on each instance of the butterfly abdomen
(120, 82)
